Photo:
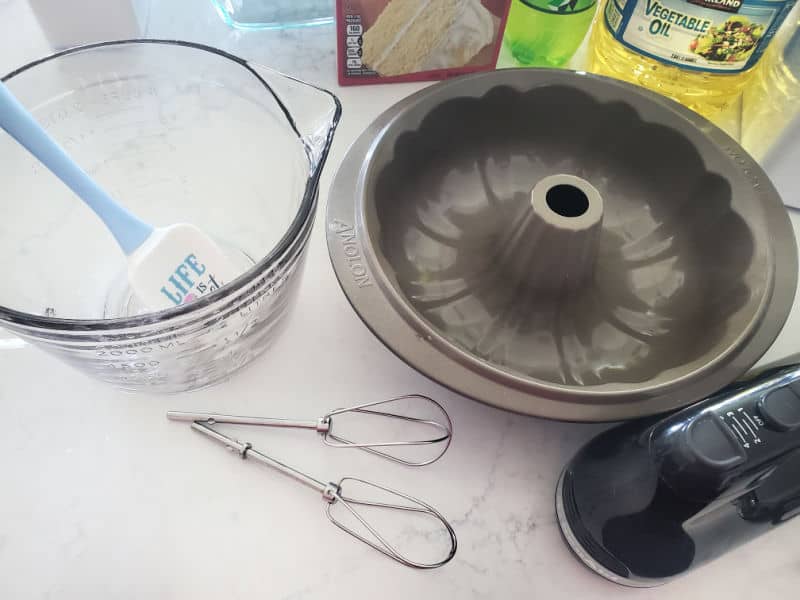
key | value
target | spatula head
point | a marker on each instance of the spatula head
(176, 265)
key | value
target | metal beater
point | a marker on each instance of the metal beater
(333, 493)
(442, 433)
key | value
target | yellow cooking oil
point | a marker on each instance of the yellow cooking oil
(771, 102)
(698, 52)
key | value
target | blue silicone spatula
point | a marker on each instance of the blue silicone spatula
(167, 266)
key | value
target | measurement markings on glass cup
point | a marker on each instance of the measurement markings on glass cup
(124, 91)
(130, 357)
(352, 252)
(64, 111)
(246, 311)
(60, 114)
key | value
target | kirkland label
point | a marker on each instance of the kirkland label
(721, 36)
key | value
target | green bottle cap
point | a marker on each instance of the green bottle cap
(560, 6)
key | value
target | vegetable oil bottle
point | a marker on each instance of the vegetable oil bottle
(772, 100)
(546, 33)
(698, 52)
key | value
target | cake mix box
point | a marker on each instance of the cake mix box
(381, 41)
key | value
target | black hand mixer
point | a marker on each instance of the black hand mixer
(649, 500)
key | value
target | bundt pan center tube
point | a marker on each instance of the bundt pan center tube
(561, 244)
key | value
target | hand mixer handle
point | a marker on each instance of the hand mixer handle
(129, 231)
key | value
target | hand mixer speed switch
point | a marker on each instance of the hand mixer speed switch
(712, 444)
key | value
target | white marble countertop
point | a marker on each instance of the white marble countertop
(102, 497)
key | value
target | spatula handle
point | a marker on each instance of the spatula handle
(129, 231)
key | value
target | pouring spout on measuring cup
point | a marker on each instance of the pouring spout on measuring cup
(320, 111)
(167, 266)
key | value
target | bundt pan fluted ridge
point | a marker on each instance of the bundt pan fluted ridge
(561, 244)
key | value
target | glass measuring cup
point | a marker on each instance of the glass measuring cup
(178, 132)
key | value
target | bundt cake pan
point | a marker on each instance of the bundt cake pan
(561, 244)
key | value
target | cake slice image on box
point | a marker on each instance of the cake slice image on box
(411, 36)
